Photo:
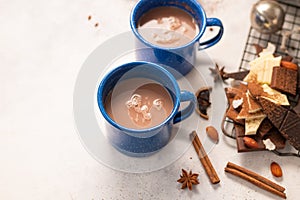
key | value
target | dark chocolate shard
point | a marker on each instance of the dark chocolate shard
(239, 130)
(286, 121)
(275, 113)
(231, 92)
(290, 129)
(276, 138)
(291, 82)
(258, 48)
(264, 127)
(237, 75)
(287, 58)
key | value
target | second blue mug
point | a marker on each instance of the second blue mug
(181, 58)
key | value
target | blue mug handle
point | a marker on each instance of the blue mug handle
(186, 112)
(216, 39)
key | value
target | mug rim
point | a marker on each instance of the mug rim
(200, 10)
(131, 131)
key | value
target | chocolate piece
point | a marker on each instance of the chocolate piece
(239, 130)
(297, 107)
(245, 114)
(232, 114)
(265, 127)
(287, 58)
(275, 136)
(240, 134)
(243, 87)
(290, 129)
(231, 92)
(255, 89)
(237, 75)
(258, 48)
(275, 113)
(284, 80)
(286, 121)
(253, 104)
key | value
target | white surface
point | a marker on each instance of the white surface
(42, 47)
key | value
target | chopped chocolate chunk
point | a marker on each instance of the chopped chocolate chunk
(239, 130)
(253, 104)
(245, 114)
(290, 129)
(264, 127)
(287, 58)
(255, 89)
(286, 121)
(231, 92)
(240, 134)
(275, 136)
(275, 113)
(284, 80)
(232, 114)
(243, 87)
(236, 75)
(258, 48)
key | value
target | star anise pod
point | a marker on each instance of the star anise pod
(218, 73)
(188, 179)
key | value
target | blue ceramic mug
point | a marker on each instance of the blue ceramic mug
(143, 142)
(182, 58)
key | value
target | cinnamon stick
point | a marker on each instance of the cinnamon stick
(254, 180)
(205, 161)
(256, 176)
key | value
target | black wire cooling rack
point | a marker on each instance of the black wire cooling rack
(291, 23)
(292, 48)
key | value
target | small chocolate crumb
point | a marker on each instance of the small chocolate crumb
(211, 29)
(97, 24)
(191, 158)
(89, 17)
(258, 48)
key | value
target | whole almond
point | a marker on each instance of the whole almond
(276, 169)
(212, 133)
(289, 65)
(251, 143)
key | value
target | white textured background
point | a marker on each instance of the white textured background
(42, 47)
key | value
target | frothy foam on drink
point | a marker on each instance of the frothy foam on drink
(135, 103)
(158, 104)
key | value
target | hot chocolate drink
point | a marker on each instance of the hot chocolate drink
(167, 26)
(139, 103)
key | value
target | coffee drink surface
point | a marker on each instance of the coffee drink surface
(138, 103)
(167, 26)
